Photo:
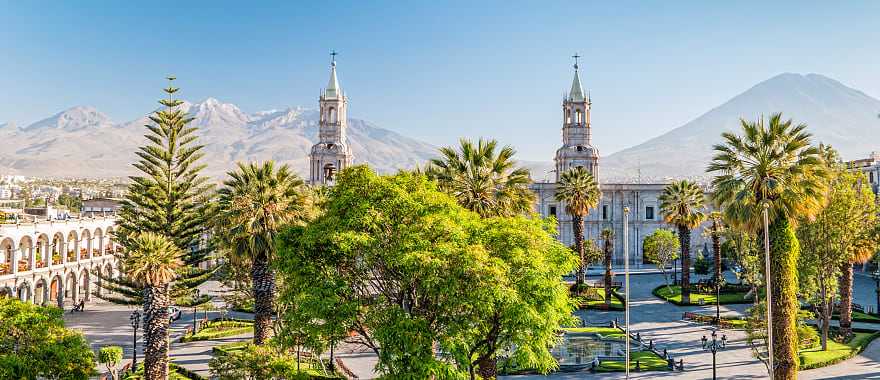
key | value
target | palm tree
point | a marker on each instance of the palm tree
(681, 204)
(608, 249)
(579, 191)
(483, 179)
(715, 231)
(256, 202)
(152, 260)
(772, 165)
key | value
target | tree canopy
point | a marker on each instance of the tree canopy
(400, 264)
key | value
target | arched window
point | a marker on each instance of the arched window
(580, 117)
(567, 115)
(332, 114)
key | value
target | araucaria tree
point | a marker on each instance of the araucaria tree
(170, 198)
(483, 178)
(772, 164)
(607, 236)
(578, 190)
(256, 202)
(681, 204)
(661, 247)
(152, 260)
(435, 290)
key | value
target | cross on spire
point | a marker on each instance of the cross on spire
(576, 56)
(333, 54)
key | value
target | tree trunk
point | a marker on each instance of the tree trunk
(609, 254)
(716, 247)
(684, 238)
(488, 367)
(578, 226)
(156, 326)
(846, 282)
(264, 296)
(826, 314)
(784, 251)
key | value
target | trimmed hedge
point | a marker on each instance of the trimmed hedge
(219, 329)
(858, 343)
(728, 301)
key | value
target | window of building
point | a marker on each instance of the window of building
(552, 211)
(871, 177)
(604, 212)
(580, 117)
(649, 213)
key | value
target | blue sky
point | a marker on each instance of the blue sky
(432, 70)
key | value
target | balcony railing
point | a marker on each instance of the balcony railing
(4, 269)
(83, 254)
(41, 264)
(56, 259)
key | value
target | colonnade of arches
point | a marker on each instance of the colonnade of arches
(57, 288)
(40, 250)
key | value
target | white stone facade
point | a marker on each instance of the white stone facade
(641, 198)
(332, 152)
(56, 262)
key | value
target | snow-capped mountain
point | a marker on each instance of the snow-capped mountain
(835, 114)
(82, 141)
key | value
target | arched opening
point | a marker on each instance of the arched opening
(7, 246)
(56, 291)
(567, 116)
(85, 285)
(5, 292)
(579, 116)
(41, 296)
(57, 248)
(43, 251)
(70, 288)
(111, 241)
(25, 255)
(329, 172)
(86, 245)
(24, 292)
(331, 114)
(98, 247)
(72, 246)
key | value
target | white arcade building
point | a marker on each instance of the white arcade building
(56, 262)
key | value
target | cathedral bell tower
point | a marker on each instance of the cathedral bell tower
(332, 153)
(576, 149)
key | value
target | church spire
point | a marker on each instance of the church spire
(332, 89)
(577, 92)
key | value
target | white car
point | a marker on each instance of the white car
(173, 313)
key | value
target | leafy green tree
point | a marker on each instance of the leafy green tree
(774, 165)
(400, 264)
(681, 203)
(741, 249)
(256, 202)
(153, 260)
(110, 356)
(579, 191)
(607, 236)
(170, 198)
(483, 179)
(34, 344)
(661, 247)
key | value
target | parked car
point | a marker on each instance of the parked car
(173, 313)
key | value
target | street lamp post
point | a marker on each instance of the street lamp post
(769, 305)
(877, 287)
(135, 320)
(714, 346)
(626, 280)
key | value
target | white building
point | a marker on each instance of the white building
(56, 262)
(871, 167)
(332, 152)
(641, 198)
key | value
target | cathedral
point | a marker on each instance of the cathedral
(577, 150)
(332, 152)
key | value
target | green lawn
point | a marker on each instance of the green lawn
(220, 329)
(584, 303)
(175, 372)
(673, 294)
(836, 353)
(861, 317)
(647, 361)
(605, 332)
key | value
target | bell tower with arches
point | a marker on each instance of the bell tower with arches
(577, 149)
(332, 152)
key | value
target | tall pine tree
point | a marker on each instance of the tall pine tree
(169, 198)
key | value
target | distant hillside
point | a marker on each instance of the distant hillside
(836, 114)
(84, 142)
